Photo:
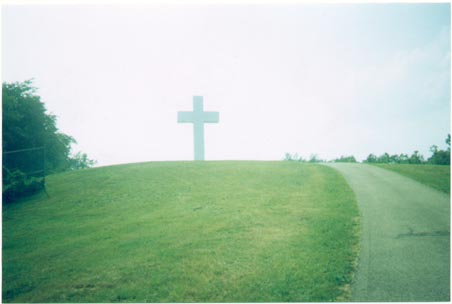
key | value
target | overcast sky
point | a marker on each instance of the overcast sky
(327, 79)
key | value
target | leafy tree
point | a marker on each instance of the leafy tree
(314, 159)
(301, 160)
(288, 156)
(371, 159)
(345, 159)
(403, 159)
(384, 158)
(434, 149)
(26, 124)
(416, 158)
(81, 161)
(440, 157)
(295, 157)
(394, 159)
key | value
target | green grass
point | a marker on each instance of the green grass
(435, 176)
(183, 232)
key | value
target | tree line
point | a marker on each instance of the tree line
(31, 140)
(439, 157)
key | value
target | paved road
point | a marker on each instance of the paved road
(405, 240)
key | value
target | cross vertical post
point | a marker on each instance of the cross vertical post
(198, 128)
(198, 118)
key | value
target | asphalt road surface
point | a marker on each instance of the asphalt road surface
(405, 239)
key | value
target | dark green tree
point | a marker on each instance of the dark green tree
(384, 158)
(403, 159)
(394, 159)
(440, 157)
(288, 156)
(314, 159)
(26, 125)
(416, 158)
(81, 161)
(371, 159)
(345, 159)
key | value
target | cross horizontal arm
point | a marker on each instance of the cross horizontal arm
(211, 117)
(184, 117)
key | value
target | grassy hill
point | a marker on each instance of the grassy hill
(183, 232)
(435, 176)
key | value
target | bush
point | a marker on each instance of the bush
(17, 184)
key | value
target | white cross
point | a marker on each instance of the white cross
(198, 118)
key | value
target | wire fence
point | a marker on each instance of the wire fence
(29, 161)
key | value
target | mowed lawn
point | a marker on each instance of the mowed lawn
(435, 176)
(184, 232)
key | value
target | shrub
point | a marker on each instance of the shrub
(17, 184)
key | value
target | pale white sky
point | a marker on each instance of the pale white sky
(327, 79)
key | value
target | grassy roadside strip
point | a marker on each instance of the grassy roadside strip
(435, 176)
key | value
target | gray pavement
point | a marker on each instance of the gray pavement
(405, 239)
